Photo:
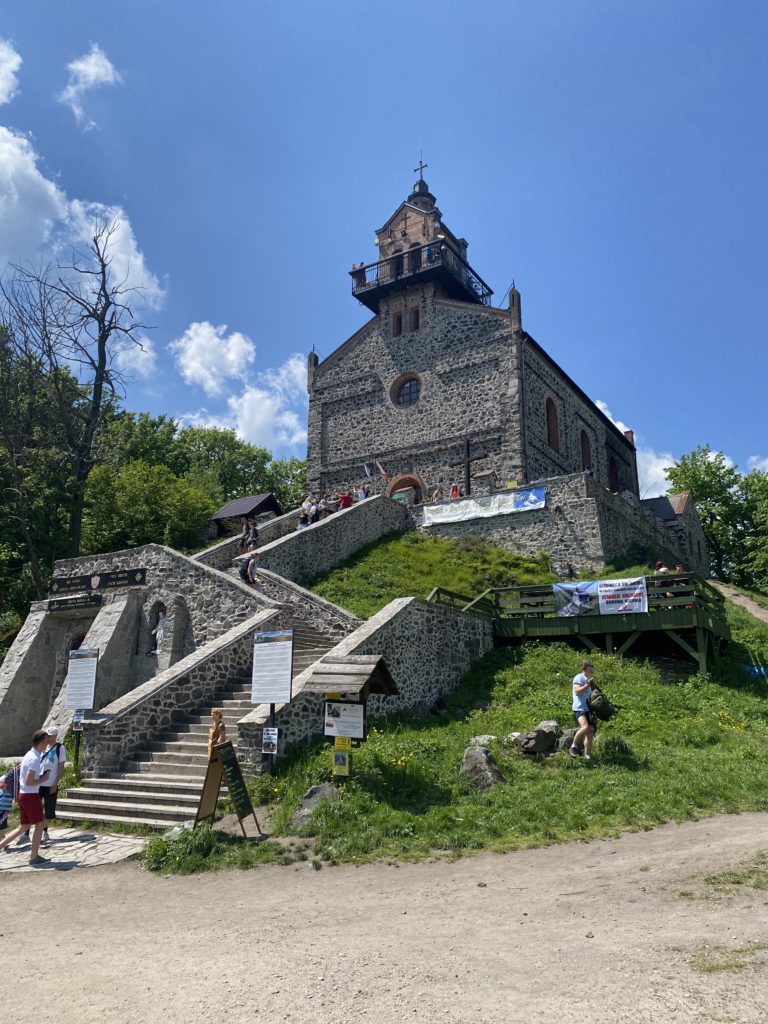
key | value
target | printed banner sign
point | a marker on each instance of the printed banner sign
(272, 667)
(341, 762)
(600, 597)
(464, 509)
(345, 718)
(269, 740)
(81, 680)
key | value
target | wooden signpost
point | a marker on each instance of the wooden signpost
(224, 765)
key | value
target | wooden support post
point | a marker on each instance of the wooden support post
(609, 643)
(628, 643)
(589, 644)
(701, 644)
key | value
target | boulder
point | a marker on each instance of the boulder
(566, 739)
(481, 741)
(479, 767)
(309, 802)
(541, 740)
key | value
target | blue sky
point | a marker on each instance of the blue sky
(609, 156)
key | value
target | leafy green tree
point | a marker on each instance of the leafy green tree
(288, 481)
(755, 558)
(240, 468)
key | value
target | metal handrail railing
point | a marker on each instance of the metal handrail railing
(413, 261)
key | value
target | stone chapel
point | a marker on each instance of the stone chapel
(441, 387)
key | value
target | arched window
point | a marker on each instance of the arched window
(586, 451)
(553, 431)
(406, 390)
(613, 474)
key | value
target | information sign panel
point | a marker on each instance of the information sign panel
(66, 604)
(70, 584)
(118, 578)
(81, 679)
(341, 762)
(209, 797)
(238, 793)
(269, 740)
(345, 718)
(77, 720)
(272, 667)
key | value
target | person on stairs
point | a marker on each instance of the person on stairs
(218, 731)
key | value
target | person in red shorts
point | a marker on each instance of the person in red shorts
(31, 776)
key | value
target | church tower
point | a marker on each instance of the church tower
(416, 246)
(440, 388)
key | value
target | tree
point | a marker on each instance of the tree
(733, 509)
(74, 319)
(239, 467)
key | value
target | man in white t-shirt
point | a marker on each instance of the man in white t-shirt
(31, 775)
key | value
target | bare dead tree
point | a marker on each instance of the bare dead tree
(75, 318)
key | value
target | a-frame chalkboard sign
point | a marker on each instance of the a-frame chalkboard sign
(224, 765)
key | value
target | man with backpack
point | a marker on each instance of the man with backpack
(54, 760)
(585, 720)
(31, 776)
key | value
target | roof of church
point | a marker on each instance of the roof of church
(661, 507)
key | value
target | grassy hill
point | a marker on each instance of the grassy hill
(683, 747)
(412, 564)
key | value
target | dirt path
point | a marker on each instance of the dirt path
(741, 600)
(483, 940)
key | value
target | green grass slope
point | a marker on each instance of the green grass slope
(412, 564)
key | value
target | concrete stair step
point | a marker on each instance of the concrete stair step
(144, 782)
(155, 812)
(116, 819)
(191, 745)
(186, 768)
(168, 759)
(145, 795)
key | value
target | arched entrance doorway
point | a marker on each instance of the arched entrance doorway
(408, 487)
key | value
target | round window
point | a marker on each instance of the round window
(407, 393)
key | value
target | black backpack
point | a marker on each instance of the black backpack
(600, 706)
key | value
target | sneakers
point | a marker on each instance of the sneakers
(573, 751)
(23, 839)
(37, 862)
(46, 840)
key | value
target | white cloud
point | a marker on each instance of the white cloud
(270, 412)
(208, 356)
(30, 205)
(38, 222)
(138, 359)
(88, 72)
(10, 62)
(759, 462)
(651, 465)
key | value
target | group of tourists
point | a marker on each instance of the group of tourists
(454, 492)
(316, 507)
(33, 785)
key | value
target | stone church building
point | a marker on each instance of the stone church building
(440, 387)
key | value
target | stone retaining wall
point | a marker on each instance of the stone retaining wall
(325, 617)
(428, 648)
(307, 553)
(128, 723)
(214, 601)
(583, 527)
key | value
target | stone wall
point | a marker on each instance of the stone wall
(428, 648)
(325, 617)
(583, 527)
(214, 600)
(128, 723)
(307, 553)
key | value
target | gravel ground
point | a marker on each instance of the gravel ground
(591, 931)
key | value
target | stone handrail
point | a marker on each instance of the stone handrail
(224, 551)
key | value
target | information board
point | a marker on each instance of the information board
(238, 793)
(345, 718)
(269, 740)
(81, 679)
(272, 667)
(209, 797)
(65, 604)
(70, 584)
(110, 580)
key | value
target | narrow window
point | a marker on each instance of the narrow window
(397, 324)
(613, 475)
(553, 431)
(586, 451)
(415, 318)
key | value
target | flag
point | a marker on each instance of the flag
(367, 469)
(381, 468)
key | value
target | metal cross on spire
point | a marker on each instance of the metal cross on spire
(421, 167)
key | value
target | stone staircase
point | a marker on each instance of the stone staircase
(160, 785)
